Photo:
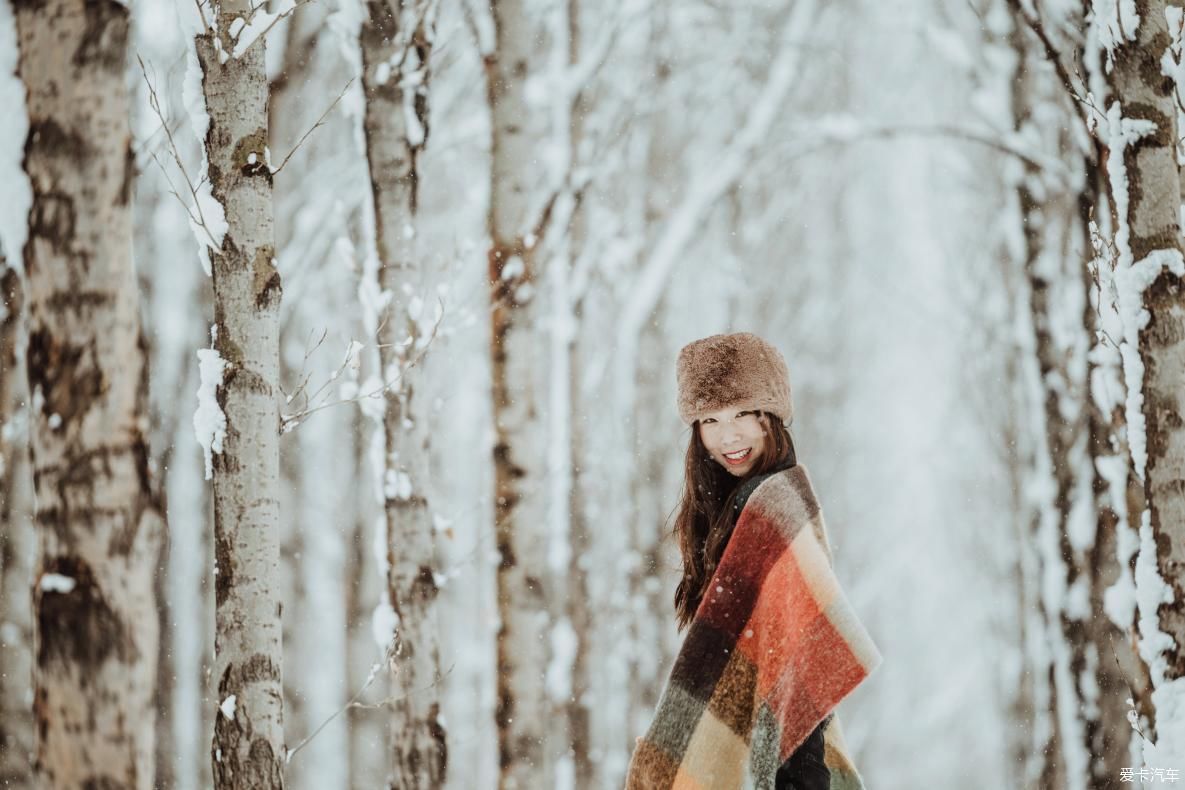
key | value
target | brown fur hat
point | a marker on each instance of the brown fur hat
(725, 370)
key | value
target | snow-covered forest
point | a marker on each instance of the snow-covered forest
(337, 353)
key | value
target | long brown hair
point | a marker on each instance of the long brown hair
(706, 514)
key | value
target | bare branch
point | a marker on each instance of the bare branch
(288, 422)
(320, 121)
(843, 130)
(1035, 24)
(263, 34)
(714, 179)
(154, 103)
(304, 363)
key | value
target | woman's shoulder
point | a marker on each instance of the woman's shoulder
(785, 492)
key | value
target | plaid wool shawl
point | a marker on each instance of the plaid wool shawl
(773, 648)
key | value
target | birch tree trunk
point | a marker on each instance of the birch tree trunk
(519, 395)
(17, 541)
(248, 743)
(1109, 648)
(1144, 188)
(98, 522)
(396, 42)
(1057, 395)
(646, 594)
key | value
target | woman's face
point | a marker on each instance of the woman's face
(734, 437)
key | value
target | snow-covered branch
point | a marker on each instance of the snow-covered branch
(717, 176)
(840, 129)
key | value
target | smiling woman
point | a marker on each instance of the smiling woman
(734, 438)
(767, 656)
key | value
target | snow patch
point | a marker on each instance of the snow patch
(384, 623)
(228, 707)
(1115, 23)
(209, 423)
(260, 22)
(397, 485)
(56, 583)
(563, 655)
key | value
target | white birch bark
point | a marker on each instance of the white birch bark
(396, 43)
(569, 635)
(1058, 394)
(1141, 133)
(645, 593)
(519, 398)
(98, 521)
(248, 743)
(17, 541)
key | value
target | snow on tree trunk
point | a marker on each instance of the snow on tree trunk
(248, 744)
(1057, 399)
(519, 397)
(396, 42)
(99, 526)
(1140, 132)
(17, 541)
(1109, 650)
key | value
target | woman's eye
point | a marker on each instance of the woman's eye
(708, 420)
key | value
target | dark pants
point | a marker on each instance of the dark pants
(805, 769)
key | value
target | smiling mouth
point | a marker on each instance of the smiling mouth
(739, 456)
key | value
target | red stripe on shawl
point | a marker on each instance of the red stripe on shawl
(780, 623)
(789, 630)
(822, 674)
(752, 550)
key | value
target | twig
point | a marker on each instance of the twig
(308, 353)
(290, 421)
(1053, 56)
(821, 133)
(202, 14)
(154, 103)
(320, 121)
(388, 655)
(1134, 724)
(388, 700)
(266, 30)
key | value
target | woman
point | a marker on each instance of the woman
(772, 646)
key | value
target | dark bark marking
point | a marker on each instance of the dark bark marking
(507, 557)
(534, 586)
(52, 219)
(49, 140)
(381, 25)
(424, 586)
(103, 783)
(243, 379)
(1165, 300)
(80, 302)
(237, 676)
(224, 563)
(440, 739)
(253, 144)
(60, 521)
(259, 768)
(70, 381)
(79, 628)
(267, 278)
(105, 40)
(129, 176)
(1162, 137)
